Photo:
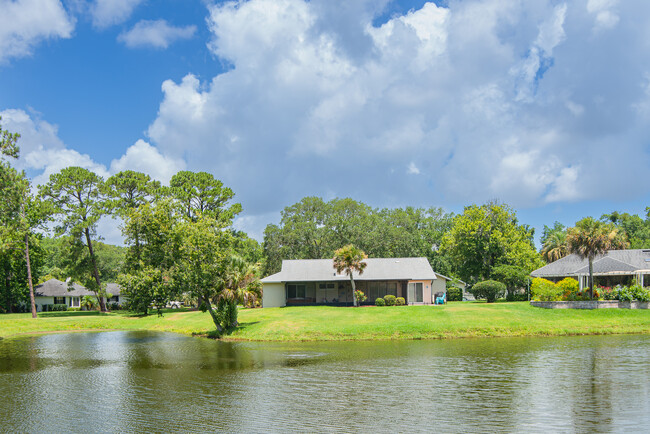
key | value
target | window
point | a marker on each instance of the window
(415, 292)
(59, 300)
(114, 299)
(295, 291)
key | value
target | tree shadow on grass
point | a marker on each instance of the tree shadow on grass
(65, 313)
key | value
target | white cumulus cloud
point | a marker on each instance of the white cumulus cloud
(156, 34)
(25, 23)
(106, 13)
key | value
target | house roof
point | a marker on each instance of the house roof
(322, 270)
(113, 289)
(56, 288)
(612, 262)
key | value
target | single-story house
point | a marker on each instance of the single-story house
(56, 292)
(316, 282)
(613, 268)
(115, 292)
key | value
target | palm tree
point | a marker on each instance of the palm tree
(555, 246)
(350, 259)
(590, 238)
(242, 282)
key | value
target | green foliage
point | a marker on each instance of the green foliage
(590, 238)
(200, 194)
(75, 195)
(545, 290)
(361, 296)
(489, 290)
(380, 302)
(314, 229)
(639, 293)
(390, 300)
(349, 259)
(88, 302)
(513, 277)
(454, 293)
(225, 316)
(554, 242)
(399, 301)
(486, 236)
(635, 228)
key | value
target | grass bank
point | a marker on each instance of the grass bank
(455, 320)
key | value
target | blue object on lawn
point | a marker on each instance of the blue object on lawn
(441, 299)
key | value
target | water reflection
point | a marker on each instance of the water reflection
(139, 381)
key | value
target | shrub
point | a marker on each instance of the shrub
(380, 302)
(640, 293)
(390, 300)
(361, 297)
(545, 290)
(610, 293)
(489, 290)
(114, 306)
(517, 295)
(74, 309)
(59, 307)
(399, 301)
(454, 293)
(624, 294)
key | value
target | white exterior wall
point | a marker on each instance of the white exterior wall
(273, 295)
(438, 285)
(40, 301)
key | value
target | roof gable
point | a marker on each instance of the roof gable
(614, 261)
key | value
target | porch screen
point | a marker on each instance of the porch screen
(295, 291)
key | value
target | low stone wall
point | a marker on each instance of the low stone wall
(634, 305)
(587, 304)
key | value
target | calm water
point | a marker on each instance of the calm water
(135, 381)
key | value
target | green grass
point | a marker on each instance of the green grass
(455, 320)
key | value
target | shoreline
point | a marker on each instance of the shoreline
(328, 324)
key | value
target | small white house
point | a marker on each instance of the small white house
(316, 282)
(56, 292)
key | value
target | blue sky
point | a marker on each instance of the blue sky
(543, 105)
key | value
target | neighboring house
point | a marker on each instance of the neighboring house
(610, 269)
(115, 291)
(315, 282)
(56, 292)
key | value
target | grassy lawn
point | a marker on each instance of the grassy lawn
(454, 320)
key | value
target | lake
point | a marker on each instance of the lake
(144, 381)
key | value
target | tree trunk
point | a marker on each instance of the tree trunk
(354, 292)
(32, 300)
(100, 298)
(213, 314)
(591, 278)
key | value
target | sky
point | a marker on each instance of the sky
(542, 105)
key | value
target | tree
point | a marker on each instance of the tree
(590, 238)
(635, 229)
(125, 192)
(8, 145)
(202, 267)
(76, 196)
(242, 281)
(350, 259)
(199, 193)
(554, 244)
(148, 277)
(490, 290)
(486, 236)
(512, 277)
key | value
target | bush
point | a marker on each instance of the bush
(454, 293)
(399, 301)
(390, 300)
(517, 296)
(380, 302)
(74, 309)
(640, 293)
(489, 290)
(610, 293)
(361, 297)
(624, 294)
(114, 306)
(59, 308)
(545, 290)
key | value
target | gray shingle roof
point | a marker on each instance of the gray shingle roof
(56, 288)
(320, 270)
(613, 262)
(113, 289)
